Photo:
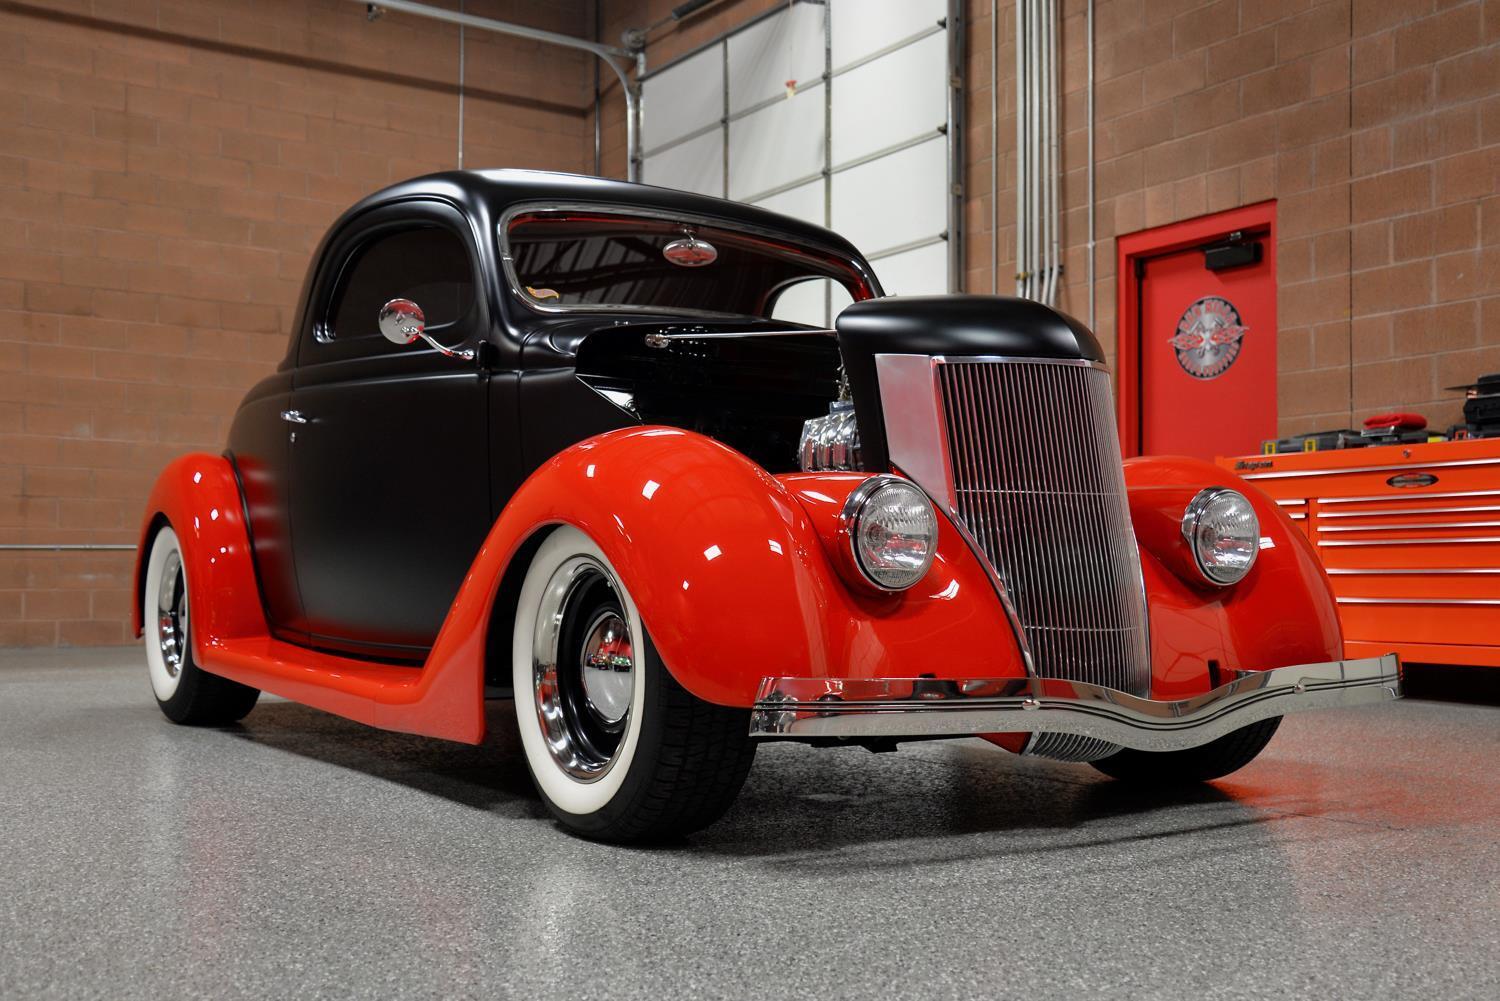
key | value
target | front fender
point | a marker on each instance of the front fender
(731, 575)
(1282, 613)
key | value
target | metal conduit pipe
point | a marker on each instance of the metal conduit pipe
(1020, 154)
(1055, 161)
(1038, 152)
(1088, 44)
(608, 53)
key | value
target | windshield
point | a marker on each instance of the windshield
(573, 258)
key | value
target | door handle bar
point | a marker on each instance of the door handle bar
(293, 417)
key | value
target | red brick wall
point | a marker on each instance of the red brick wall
(165, 169)
(166, 165)
(1375, 124)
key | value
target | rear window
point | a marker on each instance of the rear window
(596, 259)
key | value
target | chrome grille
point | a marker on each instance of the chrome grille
(1038, 482)
(1068, 747)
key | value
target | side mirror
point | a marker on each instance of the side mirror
(402, 322)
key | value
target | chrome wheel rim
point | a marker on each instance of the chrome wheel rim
(583, 669)
(172, 615)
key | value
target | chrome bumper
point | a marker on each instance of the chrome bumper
(853, 708)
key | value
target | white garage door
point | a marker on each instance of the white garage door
(840, 113)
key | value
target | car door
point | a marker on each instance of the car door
(389, 444)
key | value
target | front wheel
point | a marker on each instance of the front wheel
(618, 749)
(1213, 760)
(185, 692)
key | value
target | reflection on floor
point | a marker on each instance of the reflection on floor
(304, 855)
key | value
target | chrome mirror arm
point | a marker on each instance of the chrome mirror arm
(402, 322)
(467, 354)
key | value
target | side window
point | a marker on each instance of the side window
(427, 264)
(811, 301)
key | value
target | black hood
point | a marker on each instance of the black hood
(950, 325)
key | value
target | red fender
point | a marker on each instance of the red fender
(726, 563)
(734, 576)
(199, 496)
(1282, 613)
(729, 569)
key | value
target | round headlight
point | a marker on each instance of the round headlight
(1221, 529)
(892, 532)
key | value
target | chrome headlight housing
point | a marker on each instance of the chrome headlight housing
(891, 532)
(1221, 529)
(830, 443)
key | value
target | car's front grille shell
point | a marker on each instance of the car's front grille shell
(1037, 480)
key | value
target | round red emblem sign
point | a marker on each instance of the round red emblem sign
(1208, 337)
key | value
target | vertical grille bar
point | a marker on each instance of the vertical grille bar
(1038, 482)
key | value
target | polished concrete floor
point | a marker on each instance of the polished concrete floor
(300, 855)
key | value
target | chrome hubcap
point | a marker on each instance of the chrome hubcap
(608, 668)
(172, 615)
(583, 668)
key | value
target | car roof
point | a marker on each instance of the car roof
(500, 190)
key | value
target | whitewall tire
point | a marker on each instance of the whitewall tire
(185, 692)
(618, 750)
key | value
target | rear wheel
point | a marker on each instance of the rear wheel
(1213, 760)
(618, 749)
(185, 692)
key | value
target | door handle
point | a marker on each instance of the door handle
(293, 417)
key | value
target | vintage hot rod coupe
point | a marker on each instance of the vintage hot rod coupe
(545, 437)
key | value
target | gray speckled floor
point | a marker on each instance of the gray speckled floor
(301, 855)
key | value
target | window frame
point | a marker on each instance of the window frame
(858, 269)
(315, 344)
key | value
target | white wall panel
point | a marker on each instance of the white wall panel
(861, 27)
(777, 144)
(923, 271)
(804, 202)
(696, 165)
(682, 98)
(785, 46)
(893, 200)
(891, 99)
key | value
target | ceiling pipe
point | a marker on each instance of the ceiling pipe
(608, 53)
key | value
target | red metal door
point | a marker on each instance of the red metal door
(1204, 337)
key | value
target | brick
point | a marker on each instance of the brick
(1435, 38)
(1205, 26)
(1321, 27)
(1392, 193)
(1431, 329)
(1469, 176)
(1164, 81)
(1468, 77)
(1276, 88)
(1400, 286)
(1375, 15)
(1391, 98)
(1242, 55)
(1374, 57)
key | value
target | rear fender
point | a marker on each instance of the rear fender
(200, 497)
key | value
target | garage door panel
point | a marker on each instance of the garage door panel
(921, 271)
(682, 99)
(696, 165)
(891, 100)
(805, 202)
(861, 27)
(776, 145)
(893, 201)
(762, 58)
